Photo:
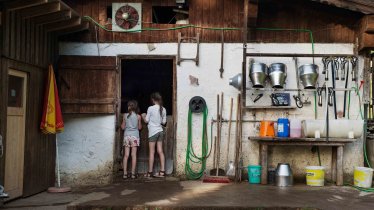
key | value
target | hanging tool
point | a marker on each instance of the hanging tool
(331, 94)
(221, 70)
(334, 66)
(325, 71)
(354, 60)
(258, 97)
(297, 98)
(371, 87)
(344, 62)
(319, 93)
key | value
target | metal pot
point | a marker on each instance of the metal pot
(257, 74)
(283, 175)
(278, 74)
(236, 81)
(308, 74)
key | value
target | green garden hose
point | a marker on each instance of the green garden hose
(190, 153)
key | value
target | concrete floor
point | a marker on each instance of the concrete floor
(160, 194)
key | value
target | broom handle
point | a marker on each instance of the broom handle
(217, 145)
(229, 138)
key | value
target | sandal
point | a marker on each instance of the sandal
(149, 175)
(161, 174)
(133, 176)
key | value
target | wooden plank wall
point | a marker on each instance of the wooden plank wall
(207, 13)
(26, 47)
(89, 84)
(329, 24)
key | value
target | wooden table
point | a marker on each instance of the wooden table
(337, 152)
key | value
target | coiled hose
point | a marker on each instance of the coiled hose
(190, 153)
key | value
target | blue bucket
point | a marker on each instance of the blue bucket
(254, 174)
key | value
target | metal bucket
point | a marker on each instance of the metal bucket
(278, 74)
(257, 74)
(308, 74)
(283, 175)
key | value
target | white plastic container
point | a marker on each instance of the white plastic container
(363, 177)
(337, 128)
(295, 128)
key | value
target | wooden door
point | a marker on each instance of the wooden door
(15, 142)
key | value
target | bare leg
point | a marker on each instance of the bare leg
(133, 159)
(125, 159)
(161, 155)
(152, 146)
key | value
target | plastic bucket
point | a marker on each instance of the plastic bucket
(315, 176)
(363, 177)
(254, 174)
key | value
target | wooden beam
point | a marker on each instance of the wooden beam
(252, 13)
(363, 6)
(367, 24)
(20, 4)
(53, 17)
(40, 10)
(365, 41)
(75, 21)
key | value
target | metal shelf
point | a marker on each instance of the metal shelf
(269, 107)
(294, 89)
(295, 55)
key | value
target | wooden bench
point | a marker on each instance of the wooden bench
(337, 152)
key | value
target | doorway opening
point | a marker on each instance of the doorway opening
(140, 77)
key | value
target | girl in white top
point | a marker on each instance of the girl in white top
(131, 124)
(156, 118)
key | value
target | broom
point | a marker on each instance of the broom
(217, 178)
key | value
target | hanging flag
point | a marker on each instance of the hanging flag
(52, 117)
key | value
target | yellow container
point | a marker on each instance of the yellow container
(315, 176)
(363, 177)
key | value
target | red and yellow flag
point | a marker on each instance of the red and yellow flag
(52, 117)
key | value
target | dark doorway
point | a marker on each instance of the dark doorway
(139, 79)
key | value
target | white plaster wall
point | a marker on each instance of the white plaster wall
(211, 85)
(86, 149)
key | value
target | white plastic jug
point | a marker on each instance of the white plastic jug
(295, 128)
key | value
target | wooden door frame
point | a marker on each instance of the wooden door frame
(174, 104)
(19, 73)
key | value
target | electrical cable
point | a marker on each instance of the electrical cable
(205, 28)
(191, 155)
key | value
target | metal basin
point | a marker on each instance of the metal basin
(283, 175)
(308, 74)
(257, 74)
(278, 74)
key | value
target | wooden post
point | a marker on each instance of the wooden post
(333, 163)
(264, 163)
(339, 164)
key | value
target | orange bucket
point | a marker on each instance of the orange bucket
(267, 129)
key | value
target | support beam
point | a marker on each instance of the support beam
(82, 27)
(363, 6)
(53, 17)
(75, 21)
(367, 24)
(252, 13)
(40, 10)
(21, 4)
